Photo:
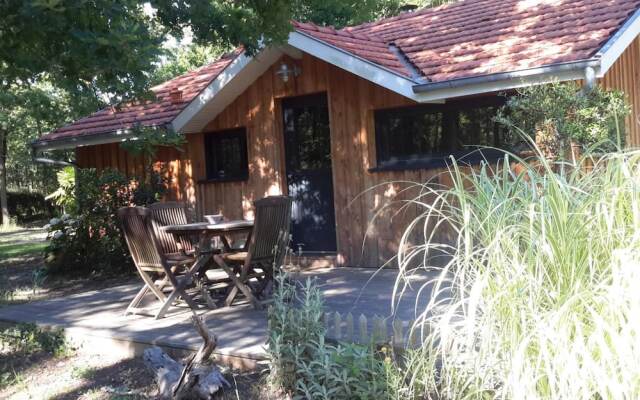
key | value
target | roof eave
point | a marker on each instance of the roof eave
(85, 140)
(489, 83)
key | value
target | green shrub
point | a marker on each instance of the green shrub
(89, 239)
(593, 118)
(304, 364)
(539, 298)
(29, 338)
(28, 206)
(64, 195)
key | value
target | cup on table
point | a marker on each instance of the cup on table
(213, 218)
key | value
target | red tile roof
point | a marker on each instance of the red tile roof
(364, 45)
(150, 113)
(479, 37)
(460, 40)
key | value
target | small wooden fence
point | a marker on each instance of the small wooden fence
(376, 329)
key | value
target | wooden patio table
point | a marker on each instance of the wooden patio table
(206, 232)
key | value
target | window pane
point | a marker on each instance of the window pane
(478, 128)
(434, 132)
(408, 134)
(226, 155)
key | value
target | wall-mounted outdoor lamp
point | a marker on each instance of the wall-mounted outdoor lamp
(285, 72)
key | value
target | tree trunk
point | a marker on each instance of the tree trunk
(4, 207)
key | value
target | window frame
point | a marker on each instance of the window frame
(436, 160)
(213, 138)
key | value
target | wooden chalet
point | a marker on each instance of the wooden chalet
(342, 119)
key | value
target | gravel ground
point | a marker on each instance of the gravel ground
(41, 376)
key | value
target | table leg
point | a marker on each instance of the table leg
(204, 257)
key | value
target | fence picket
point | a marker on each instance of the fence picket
(337, 328)
(374, 329)
(349, 327)
(362, 321)
(398, 337)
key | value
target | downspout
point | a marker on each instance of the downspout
(589, 79)
(48, 161)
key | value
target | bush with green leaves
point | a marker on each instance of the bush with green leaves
(306, 365)
(29, 338)
(89, 238)
(590, 118)
(27, 206)
(539, 298)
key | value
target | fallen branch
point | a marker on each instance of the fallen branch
(198, 379)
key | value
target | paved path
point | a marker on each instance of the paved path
(241, 331)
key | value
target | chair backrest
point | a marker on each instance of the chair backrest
(136, 224)
(170, 213)
(270, 235)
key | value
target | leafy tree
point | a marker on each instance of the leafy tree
(26, 112)
(182, 59)
(559, 114)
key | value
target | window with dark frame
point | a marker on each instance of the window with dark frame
(226, 155)
(425, 136)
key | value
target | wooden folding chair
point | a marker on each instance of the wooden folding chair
(175, 213)
(267, 247)
(172, 213)
(157, 271)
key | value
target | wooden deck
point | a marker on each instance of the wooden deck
(95, 320)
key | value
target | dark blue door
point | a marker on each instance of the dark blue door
(309, 177)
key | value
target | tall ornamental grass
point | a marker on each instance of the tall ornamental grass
(540, 294)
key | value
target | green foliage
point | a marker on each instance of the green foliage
(89, 239)
(184, 59)
(80, 45)
(263, 22)
(64, 195)
(593, 118)
(24, 340)
(149, 139)
(539, 295)
(304, 364)
(28, 111)
(340, 13)
(29, 338)
(28, 206)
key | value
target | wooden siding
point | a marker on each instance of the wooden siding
(366, 233)
(174, 164)
(624, 75)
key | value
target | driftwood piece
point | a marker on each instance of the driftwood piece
(197, 379)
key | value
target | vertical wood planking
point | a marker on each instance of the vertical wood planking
(351, 104)
(624, 75)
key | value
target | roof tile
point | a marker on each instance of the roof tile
(156, 112)
(476, 37)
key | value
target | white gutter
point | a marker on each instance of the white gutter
(507, 80)
(87, 140)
